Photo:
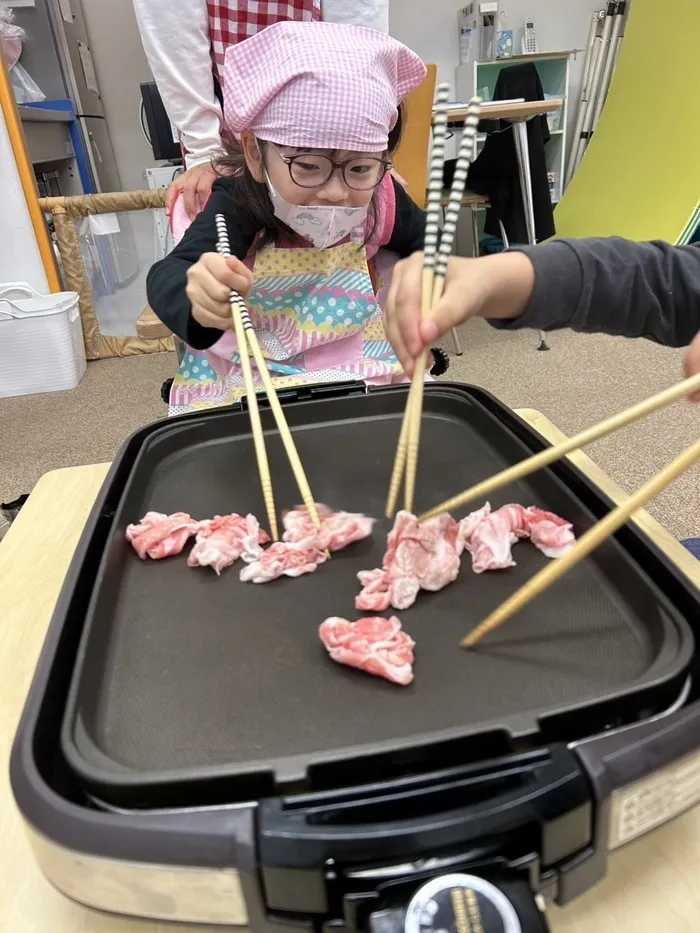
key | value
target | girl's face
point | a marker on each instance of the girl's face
(334, 192)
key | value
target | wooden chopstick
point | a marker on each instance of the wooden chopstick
(282, 426)
(409, 433)
(246, 338)
(464, 158)
(592, 539)
(544, 458)
(407, 451)
(251, 394)
(435, 181)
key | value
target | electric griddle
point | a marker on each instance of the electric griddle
(188, 751)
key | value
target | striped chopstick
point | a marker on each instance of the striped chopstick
(465, 157)
(224, 249)
(248, 340)
(409, 437)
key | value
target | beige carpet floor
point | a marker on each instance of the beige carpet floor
(581, 380)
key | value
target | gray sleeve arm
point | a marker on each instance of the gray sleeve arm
(615, 286)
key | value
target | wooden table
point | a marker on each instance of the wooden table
(522, 110)
(651, 885)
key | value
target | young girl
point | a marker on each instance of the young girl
(312, 212)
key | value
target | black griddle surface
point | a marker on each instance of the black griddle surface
(182, 672)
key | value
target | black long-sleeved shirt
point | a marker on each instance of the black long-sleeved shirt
(167, 279)
(615, 286)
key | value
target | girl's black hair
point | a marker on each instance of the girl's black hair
(251, 198)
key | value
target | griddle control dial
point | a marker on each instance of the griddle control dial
(461, 903)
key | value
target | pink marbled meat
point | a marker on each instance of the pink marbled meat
(223, 539)
(374, 645)
(375, 595)
(337, 531)
(158, 535)
(489, 536)
(553, 535)
(418, 556)
(284, 558)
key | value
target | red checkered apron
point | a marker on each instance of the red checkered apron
(232, 21)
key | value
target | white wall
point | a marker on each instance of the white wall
(20, 260)
(560, 25)
(121, 67)
(429, 27)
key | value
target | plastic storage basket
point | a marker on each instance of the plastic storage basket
(41, 341)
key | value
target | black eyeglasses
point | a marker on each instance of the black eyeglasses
(308, 170)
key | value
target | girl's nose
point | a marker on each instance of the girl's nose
(334, 190)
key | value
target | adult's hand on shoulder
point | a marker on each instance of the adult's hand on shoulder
(196, 184)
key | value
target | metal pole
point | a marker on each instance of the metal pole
(592, 33)
(592, 50)
(608, 69)
(595, 82)
(617, 53)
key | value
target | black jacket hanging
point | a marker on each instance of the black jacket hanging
(495, 172)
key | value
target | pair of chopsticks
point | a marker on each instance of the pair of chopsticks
(600, 532)
(434, 271)
(247, 339)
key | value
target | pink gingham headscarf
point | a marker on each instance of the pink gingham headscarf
(322, 85)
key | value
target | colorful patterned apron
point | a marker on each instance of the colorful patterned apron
(318, 318)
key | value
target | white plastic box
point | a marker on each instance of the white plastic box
(41, 341)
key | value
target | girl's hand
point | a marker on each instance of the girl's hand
(494, 287)
(209, 285)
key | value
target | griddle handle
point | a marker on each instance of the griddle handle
(618, 759)
(404, 820)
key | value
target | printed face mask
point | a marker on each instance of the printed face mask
(322, 225)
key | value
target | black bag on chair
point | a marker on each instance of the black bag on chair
(495, 172)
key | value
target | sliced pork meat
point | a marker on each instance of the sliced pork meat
(554, 536)
(158, 535)
(374, 645)
(375, 595)
(489, 536)
(223, 539)
(419, 556)
(337, 531)
(284, 558)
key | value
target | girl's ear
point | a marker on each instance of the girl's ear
(253, 157)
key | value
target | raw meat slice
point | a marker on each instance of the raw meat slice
(374, 645)
(489, 536)
(553, 535)
(158, 535)
(468, 524)
(338, 529)
(284, 558)
(419, 556)
(375, 595)
(223, 539)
